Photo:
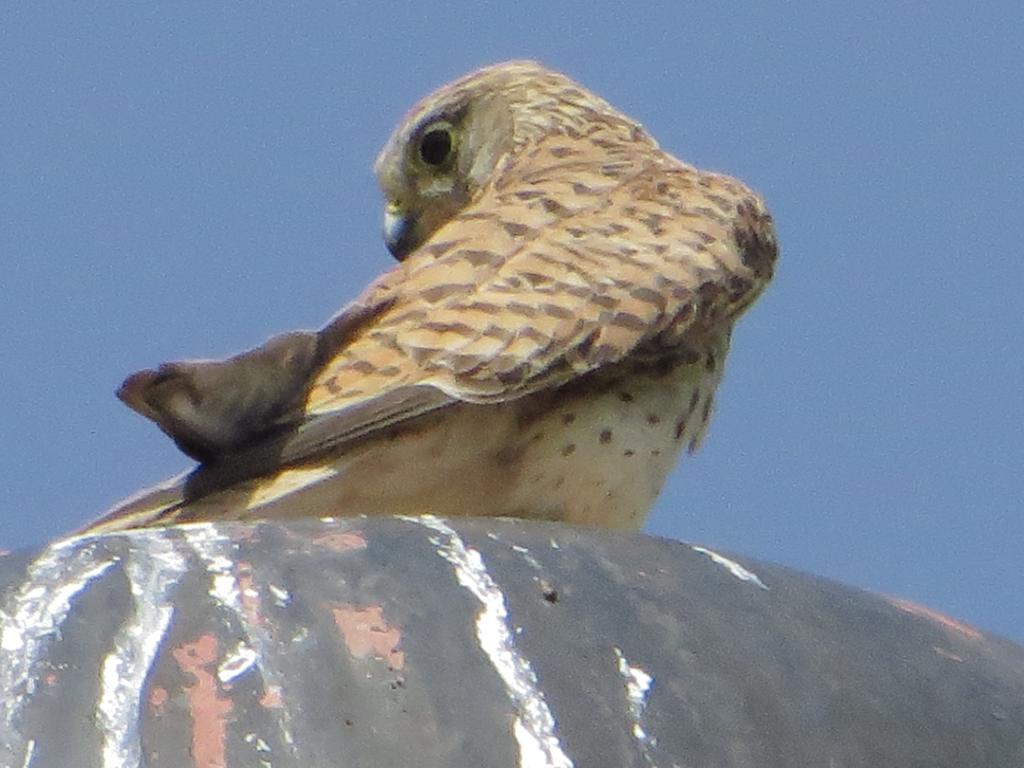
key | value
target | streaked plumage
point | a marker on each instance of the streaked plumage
(553, 334)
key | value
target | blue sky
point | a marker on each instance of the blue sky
(184, 180)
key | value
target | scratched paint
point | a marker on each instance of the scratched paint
(341, 541)
(32, 616)
(158, 698)
(262, 749)
(207, 709)
(527, 556)
(367, 632)
(152, 571)
(30, 748)
(236, 663)
(233, 586)
(638, 684)
(249, 594)
(732, 566)
(534, 728)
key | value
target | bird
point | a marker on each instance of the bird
(547, 344)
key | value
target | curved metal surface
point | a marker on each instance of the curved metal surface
(477, 643)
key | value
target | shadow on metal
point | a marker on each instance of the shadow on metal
(477, 643)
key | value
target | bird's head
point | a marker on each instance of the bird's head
(448, 147)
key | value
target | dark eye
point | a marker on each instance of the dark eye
(436, 146)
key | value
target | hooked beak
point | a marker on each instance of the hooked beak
(399, 228)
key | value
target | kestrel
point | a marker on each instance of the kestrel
(549, 341)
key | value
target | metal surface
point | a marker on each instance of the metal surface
(477, 643)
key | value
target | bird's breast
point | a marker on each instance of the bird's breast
(593, 452)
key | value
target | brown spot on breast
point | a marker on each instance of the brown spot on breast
(625, 397)
(509, 455)
(628, 452)
(606, 436)
(653, 418)
(568, 418)
(680, 427)
(569, 449)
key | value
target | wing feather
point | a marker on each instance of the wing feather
(548, 276)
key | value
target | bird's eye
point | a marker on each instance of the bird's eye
(436, 146)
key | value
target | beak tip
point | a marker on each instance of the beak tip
(398, 231)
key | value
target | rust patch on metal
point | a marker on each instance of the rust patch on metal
(947, 622)
(272, 698)
(158, 698)
(342, 542)
(207, 710)
(249, 595)
(366, 632)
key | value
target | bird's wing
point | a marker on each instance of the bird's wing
(557, 278)
(567, 271)
(564, 269)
